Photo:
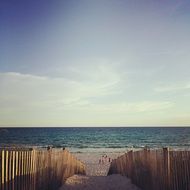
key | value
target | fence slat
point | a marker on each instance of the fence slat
(3, 169)
(155, 169)
(36, 169)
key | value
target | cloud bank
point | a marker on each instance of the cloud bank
(37, 100)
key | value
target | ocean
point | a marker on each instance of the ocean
(97, 139)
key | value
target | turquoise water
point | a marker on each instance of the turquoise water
(97, 139)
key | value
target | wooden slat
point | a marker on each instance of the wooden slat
(13, 170)
(6, 169)
(34, 170)
(22, 170)
(16, 170)
(158, 170)
(0, 169)
(3, 169)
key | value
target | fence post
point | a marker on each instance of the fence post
(166, 155)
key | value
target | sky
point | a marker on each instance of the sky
(94, 63)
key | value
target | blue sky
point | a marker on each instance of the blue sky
(94, 63)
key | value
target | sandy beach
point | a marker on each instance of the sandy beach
(97, 166)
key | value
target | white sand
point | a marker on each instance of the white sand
(96, 175)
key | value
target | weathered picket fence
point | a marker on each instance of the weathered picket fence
(34, 169)
(161, 169)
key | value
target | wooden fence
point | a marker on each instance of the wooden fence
(161, 169)
(36, 169)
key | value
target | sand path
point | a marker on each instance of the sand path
(96, 176)
(112, 182)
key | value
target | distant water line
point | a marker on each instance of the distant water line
(98, 139)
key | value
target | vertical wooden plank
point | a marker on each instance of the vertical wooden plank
(22, 170)
(187, 170)
(34, 169)
(39, 169)
(49, 168)
(19, 169)
(169, 170)
(25, 165)
(25, 162)
(13, 170)
(0, 169)
(45, 169)
(7, 169)
(16, 170)
(41, 165)
(3, 169)
(29, 170)
(33, 173)
(167, 166)
(181, 176)
(176, 172)
(184, 170)
(10, 170)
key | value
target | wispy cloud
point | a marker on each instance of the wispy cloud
(127, 107)
(29, 97)
(173, 87)
(32, 90)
